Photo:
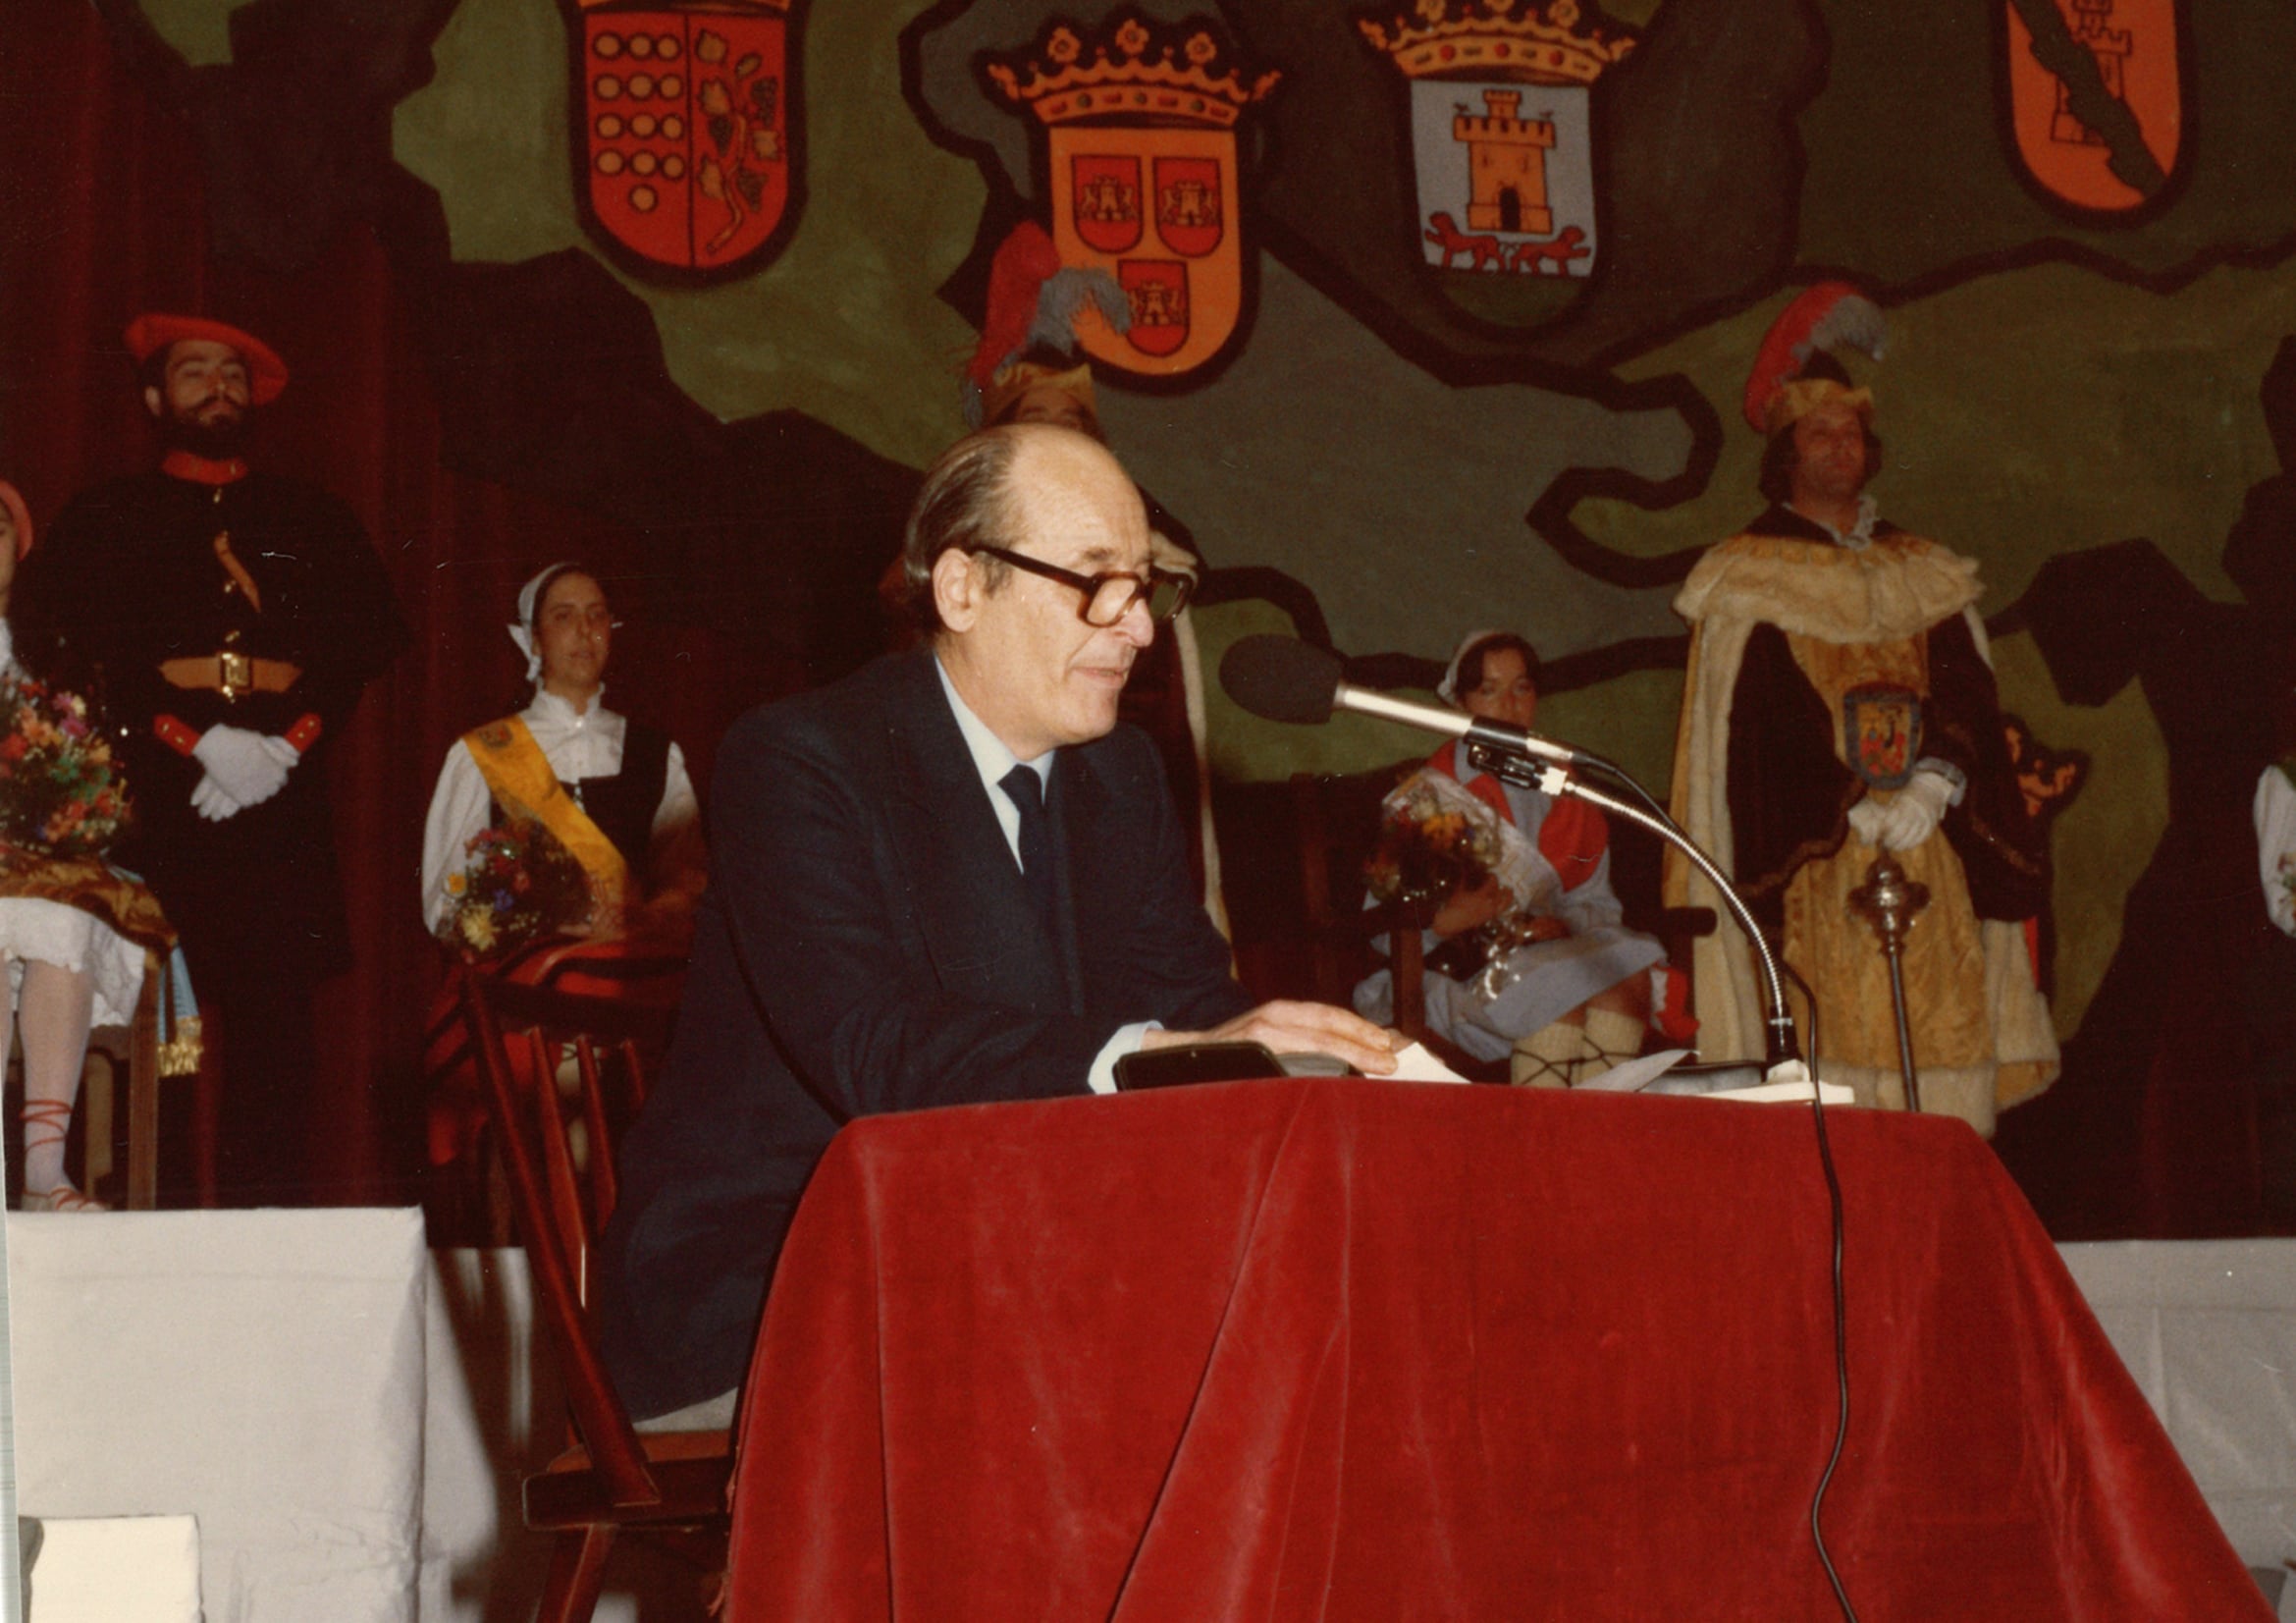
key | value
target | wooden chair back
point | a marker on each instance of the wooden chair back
(617, 1479)
(1335, 819)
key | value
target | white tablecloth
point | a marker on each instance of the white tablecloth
(261, 1370)
(2208, 1327)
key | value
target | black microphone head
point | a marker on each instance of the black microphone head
(1281, 678)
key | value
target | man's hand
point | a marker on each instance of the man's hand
(1866, 820)
(1913, 816)
(248, 767)
(1299, 1028)
(211, 803)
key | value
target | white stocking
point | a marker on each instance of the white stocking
(55, 1010)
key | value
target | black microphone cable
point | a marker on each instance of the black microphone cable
(1841, 1306)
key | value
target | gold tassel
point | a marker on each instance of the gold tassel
(179, 1055)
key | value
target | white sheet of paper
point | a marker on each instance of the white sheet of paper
(1635, 1074)
(1414, 1063)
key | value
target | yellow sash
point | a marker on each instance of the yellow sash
(523, 784)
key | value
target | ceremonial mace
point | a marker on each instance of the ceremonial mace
(1888, 901)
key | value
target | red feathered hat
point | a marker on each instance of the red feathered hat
(154, 331)
(1033, 301)
(1827, 314)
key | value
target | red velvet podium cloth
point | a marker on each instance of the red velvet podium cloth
(1337, 1350)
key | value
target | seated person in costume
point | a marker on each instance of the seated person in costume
(73, 933)
(613, 792)
(1529, 963)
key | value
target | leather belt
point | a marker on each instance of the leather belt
(231, 674)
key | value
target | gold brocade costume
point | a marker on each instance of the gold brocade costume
(1849, 617)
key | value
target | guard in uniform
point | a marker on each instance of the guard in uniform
(227, 620)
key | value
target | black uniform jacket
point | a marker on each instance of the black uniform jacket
(129, 578)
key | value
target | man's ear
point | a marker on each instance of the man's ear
(956, 589)
(153, 401)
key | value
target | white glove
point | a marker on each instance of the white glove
(243, 764)
(1913, 816)
(211, 803)
(1866, 820)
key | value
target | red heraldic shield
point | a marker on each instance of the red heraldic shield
(1189, 205)
(1158, 291)
(686, 151)
(1175, 256)
(2125, 56)
(1107, 199)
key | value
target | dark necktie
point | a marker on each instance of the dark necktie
(1026, 791)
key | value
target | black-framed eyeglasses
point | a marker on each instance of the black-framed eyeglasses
(1108, 598)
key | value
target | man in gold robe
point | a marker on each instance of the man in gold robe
(1840, 704)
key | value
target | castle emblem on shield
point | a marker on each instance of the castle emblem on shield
(685, 131)
(1502, 135)
(1139, 163)
(2119, 61)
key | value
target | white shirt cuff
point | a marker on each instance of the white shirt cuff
(1126, 1041)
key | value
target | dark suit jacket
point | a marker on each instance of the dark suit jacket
(867, 944)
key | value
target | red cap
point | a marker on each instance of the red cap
(12, 500)
(154, 331)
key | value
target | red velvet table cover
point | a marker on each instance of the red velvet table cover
(1320, 1350)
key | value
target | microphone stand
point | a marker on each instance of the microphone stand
(1783, 1061)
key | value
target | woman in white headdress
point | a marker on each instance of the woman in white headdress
(1531, 963)
(613, 792)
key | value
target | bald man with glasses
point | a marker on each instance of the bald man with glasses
(949, 879)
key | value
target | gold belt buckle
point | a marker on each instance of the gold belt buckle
(238, 674)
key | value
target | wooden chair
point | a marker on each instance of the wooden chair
(125, 1059)
(1335, 819)
(466, 1197)
(665, 1485)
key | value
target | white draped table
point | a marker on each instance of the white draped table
(261, 1370)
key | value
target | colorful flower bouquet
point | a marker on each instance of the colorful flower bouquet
(61, 793)
(517, 883)
(1429, 847)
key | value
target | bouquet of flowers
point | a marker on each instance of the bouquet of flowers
(1431, 844)
(61, 793)
(517, 883)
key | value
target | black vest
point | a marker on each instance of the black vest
(624, 805)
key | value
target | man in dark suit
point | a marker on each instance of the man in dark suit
(896, 920)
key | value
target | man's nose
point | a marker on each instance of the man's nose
(1136, 625)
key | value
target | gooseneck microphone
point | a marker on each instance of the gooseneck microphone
(1285, 679)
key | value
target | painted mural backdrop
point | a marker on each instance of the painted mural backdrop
(1478, 337)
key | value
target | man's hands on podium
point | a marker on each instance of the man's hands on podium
(243, 769)
(1299, 1028)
